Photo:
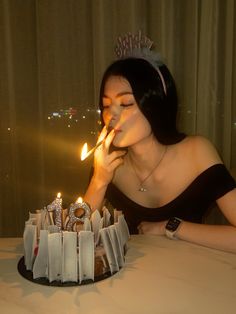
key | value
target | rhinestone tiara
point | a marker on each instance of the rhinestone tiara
(130, 42)
(139, 46)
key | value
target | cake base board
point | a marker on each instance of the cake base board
(27, 274)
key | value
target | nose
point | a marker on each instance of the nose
(114, 109)
(114, 113)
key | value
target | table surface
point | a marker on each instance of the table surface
(160, 276)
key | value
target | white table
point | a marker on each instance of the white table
(160, 276)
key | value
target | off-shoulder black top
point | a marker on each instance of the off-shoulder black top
(190, 205)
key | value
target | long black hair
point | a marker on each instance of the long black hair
(159, 107)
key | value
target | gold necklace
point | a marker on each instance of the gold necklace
(142, 181)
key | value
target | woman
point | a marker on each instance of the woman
(162, 180)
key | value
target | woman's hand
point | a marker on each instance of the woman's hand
(105, 163)
(156, 228)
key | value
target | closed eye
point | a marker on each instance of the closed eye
(126, 105)
(121, 105)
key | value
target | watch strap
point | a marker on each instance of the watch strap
(172, 227)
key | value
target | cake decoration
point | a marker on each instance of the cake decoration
(78, 247)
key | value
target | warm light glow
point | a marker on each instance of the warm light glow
(58, 194)
(79, 200)
(84, 151)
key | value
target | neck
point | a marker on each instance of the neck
(145, 154)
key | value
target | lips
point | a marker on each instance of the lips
(117, 131)
(111, 127)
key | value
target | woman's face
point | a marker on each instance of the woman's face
(121, 112)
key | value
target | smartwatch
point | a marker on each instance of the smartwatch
(172, 227)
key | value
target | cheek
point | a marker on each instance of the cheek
(106, 116)
(128, 116)
(137, 122)
(132, 118)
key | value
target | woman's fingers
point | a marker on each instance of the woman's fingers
(102, 135)
(106, 137)
(102, 152)
(105, 163)
(116, 158)
(109, 139)
(140, 228)
(117, 162)
(117, 154)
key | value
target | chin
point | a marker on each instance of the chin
(118, 144)
(114, 147)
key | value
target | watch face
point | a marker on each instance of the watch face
(173, 224)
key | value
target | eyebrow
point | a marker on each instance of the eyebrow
(119, 94)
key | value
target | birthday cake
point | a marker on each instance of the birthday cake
(73, 245)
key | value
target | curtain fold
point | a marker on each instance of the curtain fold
(228, 43)
(52, 56)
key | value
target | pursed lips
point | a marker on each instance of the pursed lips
(117, 131)
(115, 128)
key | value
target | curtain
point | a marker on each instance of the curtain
(52, 56)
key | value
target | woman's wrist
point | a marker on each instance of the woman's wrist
(162, 225)
(172, 227)
(95, 193)
(98, 183)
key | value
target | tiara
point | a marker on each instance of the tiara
(139, 46)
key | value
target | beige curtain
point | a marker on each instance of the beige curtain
(52, 55)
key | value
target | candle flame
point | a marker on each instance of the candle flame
(58, 194)
(84, 151)
(79, 200)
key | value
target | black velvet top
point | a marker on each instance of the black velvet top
(190, 205)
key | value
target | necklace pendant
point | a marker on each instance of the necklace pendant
(142, 189)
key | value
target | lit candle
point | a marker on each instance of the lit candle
(79, 200)
(77, 213)
(56, 209)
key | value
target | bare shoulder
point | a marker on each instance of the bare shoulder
(202, 151)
